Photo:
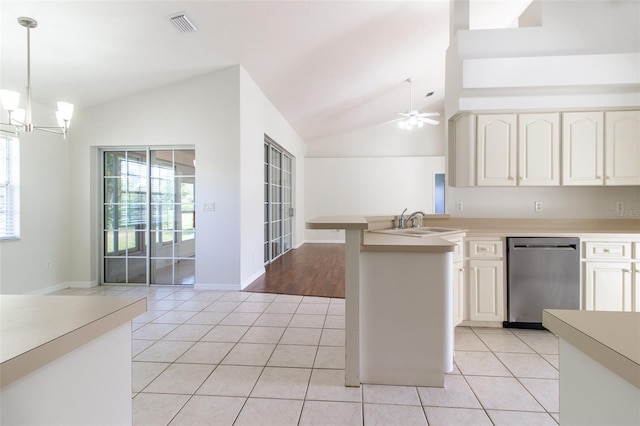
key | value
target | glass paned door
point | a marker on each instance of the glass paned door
(278, 201)
(149, 216)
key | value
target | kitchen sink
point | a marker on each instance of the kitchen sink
(423, 231)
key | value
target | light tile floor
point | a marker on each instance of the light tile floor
(236, 358)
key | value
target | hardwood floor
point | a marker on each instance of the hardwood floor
(311, 270)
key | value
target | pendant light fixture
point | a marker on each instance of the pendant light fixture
(19, 118)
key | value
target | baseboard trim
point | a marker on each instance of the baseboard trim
(217, 287)
(83, 284)
(252, 278)
(50, 289)
(64, 286)
(325, 242)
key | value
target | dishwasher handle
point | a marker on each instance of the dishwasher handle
(545, 246)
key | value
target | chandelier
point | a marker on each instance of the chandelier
(19, 118)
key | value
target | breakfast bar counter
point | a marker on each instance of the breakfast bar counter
(398, 297)
(599, 366)
(57, 349)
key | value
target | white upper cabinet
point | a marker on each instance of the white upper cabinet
(496, 150)
(545, 149)
(539, 149)
(622, 148)
(582, 148)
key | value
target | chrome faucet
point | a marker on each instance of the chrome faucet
(411, 217)
(401, 221)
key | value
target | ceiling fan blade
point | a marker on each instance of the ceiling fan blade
(428, 120)
(429, 114)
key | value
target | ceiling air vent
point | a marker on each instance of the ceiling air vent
(183, 23)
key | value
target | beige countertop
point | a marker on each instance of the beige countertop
(611, 338)
(35, 330)
(540, 227)
(493, 227)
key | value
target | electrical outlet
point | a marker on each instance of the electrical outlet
(459, 206)
(619, 206)
(537, 206)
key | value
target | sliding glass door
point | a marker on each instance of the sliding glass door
(278, 201)
(149, 216)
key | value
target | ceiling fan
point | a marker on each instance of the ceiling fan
(413, 118)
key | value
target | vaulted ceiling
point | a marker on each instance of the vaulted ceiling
(328, 66)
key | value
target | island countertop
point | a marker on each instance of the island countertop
(36, 330)
(382, 242)
(610, 338)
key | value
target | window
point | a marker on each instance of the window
(9, 188)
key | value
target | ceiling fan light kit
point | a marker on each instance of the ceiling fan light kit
(414, 119)
(20, 118)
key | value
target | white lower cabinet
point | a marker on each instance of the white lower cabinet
(486, 290)
(608, 286)
(611, 275)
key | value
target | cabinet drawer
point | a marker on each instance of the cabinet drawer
(486, 249)
(607, 250)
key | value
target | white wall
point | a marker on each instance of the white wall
(375, 170)
(557, 202)
(204, 112)
(45, 211)
(257, 117)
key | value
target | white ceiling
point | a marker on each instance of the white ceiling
(328, 66)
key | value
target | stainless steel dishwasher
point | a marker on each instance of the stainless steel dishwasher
(542, 273)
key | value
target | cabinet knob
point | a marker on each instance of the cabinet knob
(606, 250)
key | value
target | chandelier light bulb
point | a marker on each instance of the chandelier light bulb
(65, 110)
(9, 99)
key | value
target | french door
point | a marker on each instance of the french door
(278, 201)
(148, 216)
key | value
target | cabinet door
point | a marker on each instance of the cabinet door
(607, 286)
(539, 149)
(622, 148)
(458, 293)
(486, 290)
(496, 150)
(582, 148)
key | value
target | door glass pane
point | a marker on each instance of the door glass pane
(162, 271)
(115, 270)
(185, 271)
(137, 270)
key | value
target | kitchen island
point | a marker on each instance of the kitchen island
(398, 298)
(66, 359)
(599, 366)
